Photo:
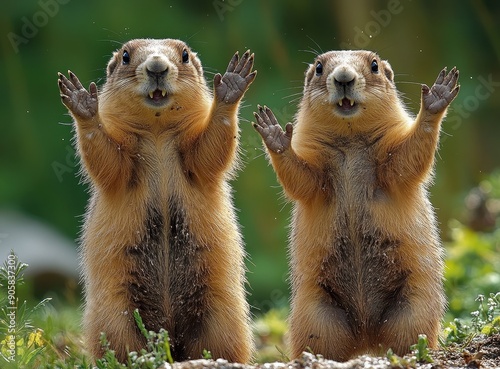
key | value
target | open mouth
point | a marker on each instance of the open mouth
(157, 97)
(346, 106)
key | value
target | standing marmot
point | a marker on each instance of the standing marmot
(160, 232)
(366, 260)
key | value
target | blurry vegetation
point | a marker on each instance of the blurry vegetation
(473, 256)
(20, 340)
(270, 333)
(39, 172)
(485, 320)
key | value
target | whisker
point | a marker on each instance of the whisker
(244, 106)
(408, 83)
(209, 70)
(294, 96)
(319, 47)
(285, 202)
(194, 34)
(119, 43)
(311, 51)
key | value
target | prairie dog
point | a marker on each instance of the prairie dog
(366, 259)
(160, 232)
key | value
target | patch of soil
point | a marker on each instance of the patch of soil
(481, 352)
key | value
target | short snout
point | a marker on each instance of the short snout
(344, 76)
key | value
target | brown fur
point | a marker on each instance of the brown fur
(160, 232)
(366, 260)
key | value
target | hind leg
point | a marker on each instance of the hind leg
(118, 325)
(226, 330)
(318, 327)
(424, 303)
(420, 315)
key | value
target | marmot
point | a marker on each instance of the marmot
(366, 259)
(160, 232)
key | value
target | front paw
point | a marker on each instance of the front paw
(80, 102)
(276, 140)
(437, 98)
(231, 87)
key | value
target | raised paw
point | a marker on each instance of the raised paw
(231, 87)
(437, 98)
(276, 139)
(76, 98)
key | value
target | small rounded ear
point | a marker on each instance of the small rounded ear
(112, 64)
(308, 74)
(388, 70)
(196, 62)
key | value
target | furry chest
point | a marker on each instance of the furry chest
(352, 172)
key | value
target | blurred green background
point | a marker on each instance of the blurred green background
(39, 179)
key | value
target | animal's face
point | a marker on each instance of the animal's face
(347, 81)
(155, 72)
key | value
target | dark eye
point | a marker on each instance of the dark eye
(374, 66)
(126, 57)
(185, 56)
(319, 69)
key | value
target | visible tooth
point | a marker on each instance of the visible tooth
(340, 102)
(352, 102)
(151, 94)
(164, 92)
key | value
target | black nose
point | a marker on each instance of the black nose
(344, 80)
(156, 70)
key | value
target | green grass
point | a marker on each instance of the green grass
(472, 259)
(47, 334)
(420, 353)
(45, 337)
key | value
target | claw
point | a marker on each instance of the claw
(246, 54)
(275, 138)
(233, 62)
(248, 63)
(75, 97)
(441, 76)
(242, 63)
(230, 87)
(437, 98)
